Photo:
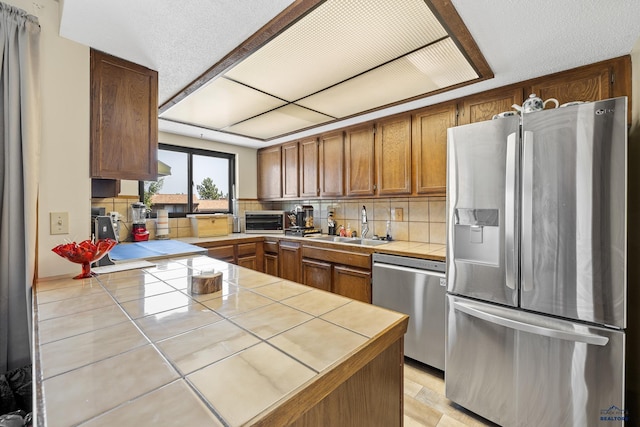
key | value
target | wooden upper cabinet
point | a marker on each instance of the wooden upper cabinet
(393, 154)
(485, 105)
(309, 168)
(359, 157)
(270, 173)
(332, 164)
(430, 148)
(124, 119)
(590, 83)
(290, 170)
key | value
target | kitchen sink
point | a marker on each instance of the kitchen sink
(351, 240)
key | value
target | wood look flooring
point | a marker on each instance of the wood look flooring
(425, 404)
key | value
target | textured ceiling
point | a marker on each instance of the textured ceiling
(520, 39)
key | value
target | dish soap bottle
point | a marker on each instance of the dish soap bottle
(389, 230)
(348, 232)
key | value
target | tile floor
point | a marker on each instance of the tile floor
(425, 404)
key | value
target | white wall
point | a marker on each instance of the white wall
(64, 166)
(65, 185)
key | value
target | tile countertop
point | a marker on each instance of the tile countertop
(136, 348)
(433, 251)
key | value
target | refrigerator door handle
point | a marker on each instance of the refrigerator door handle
(510, 214)
(530, 328)
(526, 250)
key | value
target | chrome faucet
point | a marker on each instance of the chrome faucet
(365, 225)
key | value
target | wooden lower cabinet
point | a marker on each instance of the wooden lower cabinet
(353, 283)
(250, 255)
(225, 253)
(316, 274)
(270, 257)
(342, 272)
(271, 264)
(289, 255)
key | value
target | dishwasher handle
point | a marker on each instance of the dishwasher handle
(409, 270)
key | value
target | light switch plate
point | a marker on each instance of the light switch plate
(59, 222)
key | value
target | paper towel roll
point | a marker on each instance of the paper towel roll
(162, 224)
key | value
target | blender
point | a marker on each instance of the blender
(139, 232)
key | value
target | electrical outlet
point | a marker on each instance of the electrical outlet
(59, 222)
(396, 214)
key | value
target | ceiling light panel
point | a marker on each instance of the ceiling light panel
(221, 103)
(283, 120)
(431, 68)
(337, 40)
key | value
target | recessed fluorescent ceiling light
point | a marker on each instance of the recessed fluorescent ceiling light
(341, 59)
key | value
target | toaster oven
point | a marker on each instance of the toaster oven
(264, 222)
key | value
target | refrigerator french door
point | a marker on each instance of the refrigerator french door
(536, 266)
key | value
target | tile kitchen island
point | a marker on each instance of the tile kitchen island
(136, 348)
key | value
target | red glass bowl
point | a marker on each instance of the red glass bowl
(85, 253)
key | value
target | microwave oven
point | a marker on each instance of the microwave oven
(265, 222)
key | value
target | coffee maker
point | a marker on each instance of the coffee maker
(139, 232)
(301, 221)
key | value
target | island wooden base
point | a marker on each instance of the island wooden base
(372, 396)
(365, 390)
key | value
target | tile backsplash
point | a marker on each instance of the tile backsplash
(418, 219)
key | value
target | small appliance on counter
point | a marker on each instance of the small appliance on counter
(260, 222)
(301, 220)
(139, 232)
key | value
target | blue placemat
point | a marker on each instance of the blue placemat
(152, 249)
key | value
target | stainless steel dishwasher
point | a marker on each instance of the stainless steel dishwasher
(416, 287)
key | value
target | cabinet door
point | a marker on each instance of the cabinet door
(316, 274)
(248, 262)
(269, 173)
(271, 264)
(124, 119)
(250, 255)
(360, 161)
(309, 168)
(352, 283)
(590, 83)
(429, 148)
(485, 105)
(290, 170)
(332, 165)
(289, 255)
(393, 151)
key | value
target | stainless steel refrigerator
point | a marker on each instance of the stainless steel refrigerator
(536, 266)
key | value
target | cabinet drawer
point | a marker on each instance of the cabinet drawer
(271, 247)
(222, 252)
(246, 249)
(338, 257)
